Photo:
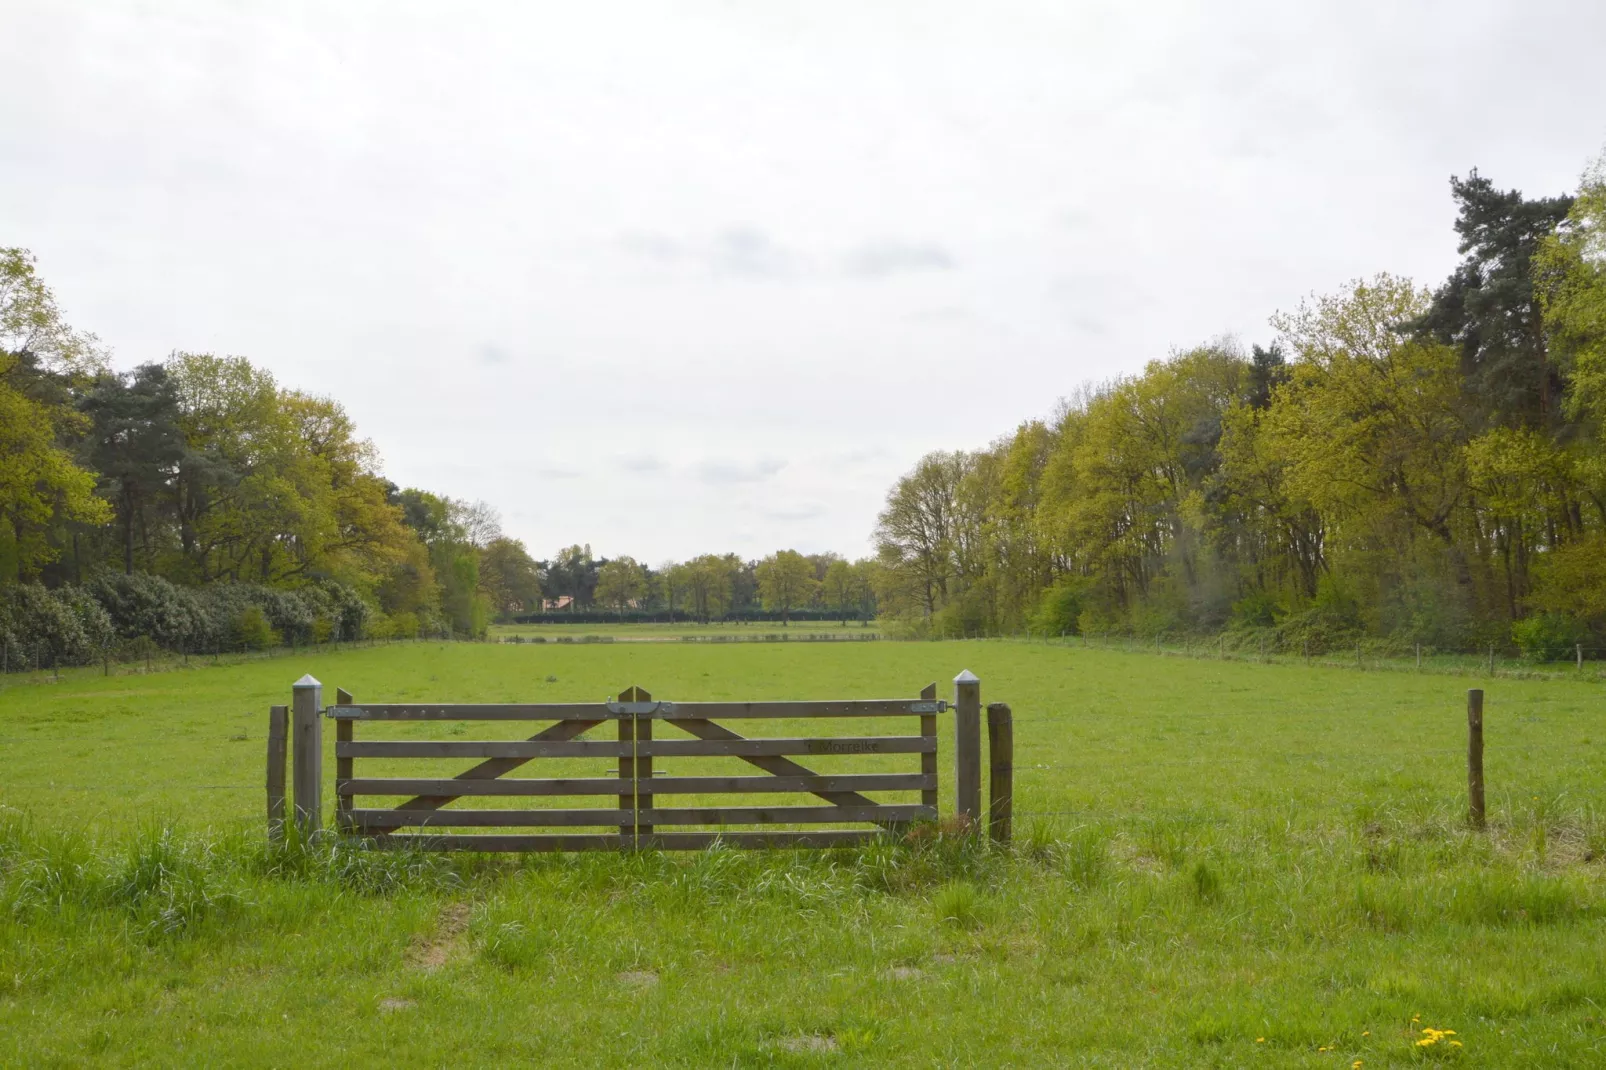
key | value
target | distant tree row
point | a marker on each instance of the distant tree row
(709, 587)
(1399, 465)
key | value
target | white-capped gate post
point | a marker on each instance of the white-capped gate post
(306, 764)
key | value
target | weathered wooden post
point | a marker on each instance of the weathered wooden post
(343, 767)
(967, 748)
(278, 730)
(307, 760)
(1001, 774)
(1580, 657)
(1475, 757)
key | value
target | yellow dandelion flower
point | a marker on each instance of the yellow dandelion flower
(1260, 1040)
(1356, 1065)
(1366, 1032)
(1455, 1043)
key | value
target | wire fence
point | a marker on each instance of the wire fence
(1587, 661)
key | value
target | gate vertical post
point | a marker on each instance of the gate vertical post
(343, 766)
(627, 772)
(928, 759)
(967, 748)
(307, 761)
(643, 785)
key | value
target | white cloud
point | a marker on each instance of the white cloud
(880, 258)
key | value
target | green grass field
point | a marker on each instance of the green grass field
(1218, 863)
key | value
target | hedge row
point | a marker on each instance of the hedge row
(77, 625)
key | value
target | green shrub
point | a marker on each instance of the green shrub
(964, 617)
(1332, 621)
(252, 631)
(1059, 609)
(1548, 636)
(46, 628)
(1258, 609)
(141, 604)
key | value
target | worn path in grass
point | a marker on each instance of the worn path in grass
(1239, 864)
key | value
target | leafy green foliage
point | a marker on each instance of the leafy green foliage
(1548, 637)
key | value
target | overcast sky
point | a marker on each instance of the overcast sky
(675, 278)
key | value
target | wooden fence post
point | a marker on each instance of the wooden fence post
(307, 761)
(1475, 757)
(278, 729)
(967, 748)
(1001, 775)
(343, 734)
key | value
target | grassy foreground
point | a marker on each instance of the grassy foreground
(1224, 864)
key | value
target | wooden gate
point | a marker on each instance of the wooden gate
(662, 753)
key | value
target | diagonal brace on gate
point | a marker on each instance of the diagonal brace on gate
(492, 768)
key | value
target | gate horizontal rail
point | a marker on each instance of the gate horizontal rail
(673, 841)
(659, 785)
(613, 711)
(663, 748)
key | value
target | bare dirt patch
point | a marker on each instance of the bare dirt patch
(391, 1006)
(444, 944)
(637, 978)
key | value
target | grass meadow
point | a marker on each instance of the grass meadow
(1218, 863)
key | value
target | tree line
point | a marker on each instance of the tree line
(195, 504)
(708, 587)
(1401, 465)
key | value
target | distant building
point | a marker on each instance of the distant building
(561, 602)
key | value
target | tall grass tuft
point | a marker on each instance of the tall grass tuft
(958, 903)
(168, 886)
(1084, 857)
